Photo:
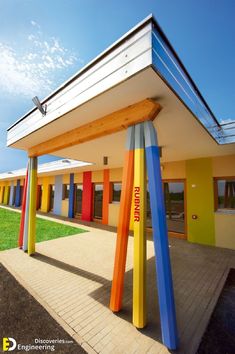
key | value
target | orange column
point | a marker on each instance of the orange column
(123, 225)
(106, 197)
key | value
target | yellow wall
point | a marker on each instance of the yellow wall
(225, 230)
(115, 175)
(174, 170)
(78, 178)
(223, 166)
(200, 201)
(97, 177)
(113, 213)
(65, 207)
(66, 179)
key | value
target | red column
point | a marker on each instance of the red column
(87, 196)
(106, 197)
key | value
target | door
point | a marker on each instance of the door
(78, 200)
(51, 196)
(98, 201)
(174, 196)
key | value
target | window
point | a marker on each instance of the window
(98, 201)
(78, 199)
(65, 192)
(116, 195)
(225, 193)
(174, 205)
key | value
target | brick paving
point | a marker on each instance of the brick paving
(71, 278)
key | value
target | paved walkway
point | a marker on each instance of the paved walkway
(71, 278)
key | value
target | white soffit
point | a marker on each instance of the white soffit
(130, 57)
(180, 134)
(64, 165)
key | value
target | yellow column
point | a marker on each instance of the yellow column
(45, 194)
(139, 270)
(1, 193)
(32, 205)
(6, 195)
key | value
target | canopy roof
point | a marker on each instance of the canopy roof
(141, 65)
(62, 166)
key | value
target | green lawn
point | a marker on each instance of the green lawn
(45, 230)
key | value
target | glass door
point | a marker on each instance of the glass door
(98, 201)
(51, 196)
(174, 196)
(78, 200)
(174, 202)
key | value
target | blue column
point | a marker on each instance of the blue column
(17, 201)
(160, 239)
(58, 195)
(71, 196)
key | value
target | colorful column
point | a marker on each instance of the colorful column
(106, 197)
(45, 194)
(6, 195)
(160, 239)
(32, 205)
(22, 220)
(123, 224)
(1, 194)
(11, 197)
(71, 195)
(139, 269)
(26, 216)
(87, 196)
(17, 200)
(58, 195)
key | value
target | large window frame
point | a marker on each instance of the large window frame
(97, 218)
(76, 213)
(174, 233)
(216, 193)
(112, 192)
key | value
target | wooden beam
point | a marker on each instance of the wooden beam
(112, 123)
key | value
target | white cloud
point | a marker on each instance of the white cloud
(226, 121)
(35, 24)
(34, 71)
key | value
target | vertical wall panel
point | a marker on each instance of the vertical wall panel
(71, 196)
(58, 195)
(106, 197)
(200, 201)
(11, 198)
(87, 196)
(17, 201)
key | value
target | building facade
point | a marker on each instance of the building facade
(199, 197)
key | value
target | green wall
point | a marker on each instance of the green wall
(200, 201)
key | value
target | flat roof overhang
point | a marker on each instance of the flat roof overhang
(63, 166)
(142, 64)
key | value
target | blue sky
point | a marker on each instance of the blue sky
(43, 43)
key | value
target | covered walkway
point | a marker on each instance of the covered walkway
(71, 277)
